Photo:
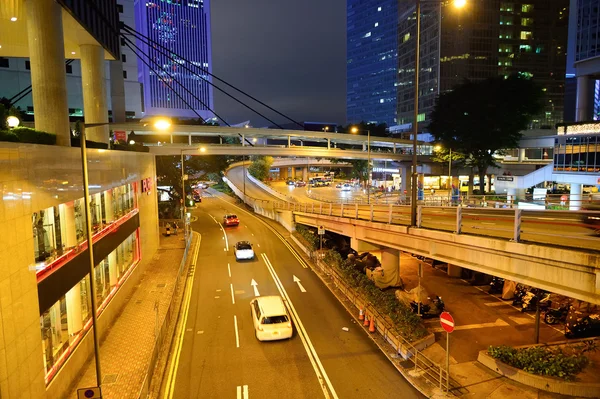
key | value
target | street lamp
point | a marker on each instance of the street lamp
(413, 191)
(12, 122)
(355, 130)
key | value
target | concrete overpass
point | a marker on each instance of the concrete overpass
(491, 241)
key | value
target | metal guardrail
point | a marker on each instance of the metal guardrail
(161, 332)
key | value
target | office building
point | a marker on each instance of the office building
(372, 61)
(484, 39)
(180, 27)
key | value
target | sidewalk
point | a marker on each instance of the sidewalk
(126, 350)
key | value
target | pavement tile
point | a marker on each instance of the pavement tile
(126, 350)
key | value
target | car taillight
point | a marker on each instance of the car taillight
(235, 220)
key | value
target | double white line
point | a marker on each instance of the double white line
(243, 389)
(324, 381)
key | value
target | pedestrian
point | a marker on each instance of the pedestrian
(175, 227)
(168, 229)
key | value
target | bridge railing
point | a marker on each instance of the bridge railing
(560, 228)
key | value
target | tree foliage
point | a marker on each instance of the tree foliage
(479, 119)
(260, 167)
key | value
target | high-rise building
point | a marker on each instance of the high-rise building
(484, 39)
(372, 61)
(180, 27)
(582, 101)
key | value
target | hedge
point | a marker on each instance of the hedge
(27, 135)
(541, 360)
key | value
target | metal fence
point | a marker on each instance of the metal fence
(162, 331)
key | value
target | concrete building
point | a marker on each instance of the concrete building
(45, 311)
(15, 75)
(182, 28)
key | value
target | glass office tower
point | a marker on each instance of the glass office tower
(182, 27)
(372, 58)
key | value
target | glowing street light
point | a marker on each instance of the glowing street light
(203, 149)
(162, 124)
(460, 3)
(12, 122)
(132, 142)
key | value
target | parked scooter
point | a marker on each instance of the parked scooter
(520, 292)
(553, 316)
(435, 309)
(533, 297)
(496, 285)
(580, 325)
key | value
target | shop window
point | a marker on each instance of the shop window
(28, 65)
(123, 58)
(120, 8)
(69, 68)
(124, 74)
(4, 63)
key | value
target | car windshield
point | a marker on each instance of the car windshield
(244, 246)
(275, 319)
(231, 217)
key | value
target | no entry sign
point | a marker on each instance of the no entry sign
(447, 322)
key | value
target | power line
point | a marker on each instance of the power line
(153, 44)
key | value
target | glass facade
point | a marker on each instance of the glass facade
(372, 57)
(588, 29)
(64, 324)
(183, 27)
(60, 230)
(577, 153)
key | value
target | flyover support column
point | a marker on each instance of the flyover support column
(405, 182)
(521, 154)
(582, 107)
(305, 174)
(328, 144)
(363, 246)
(48, 76)
(93, 81)
(293, 173)
(575, 200)
(390, 261)
(283, 173)
(454, 271)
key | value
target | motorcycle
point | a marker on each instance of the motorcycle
(520, 292)
(580, 325)
(496, 285)
(534, 297)
(553, 316)
(435, 309)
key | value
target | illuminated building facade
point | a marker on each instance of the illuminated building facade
(485, 39)
(182, 27)
(372, 43)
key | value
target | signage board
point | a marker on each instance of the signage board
(89, 393)
(120, 136)
(505, 178)
(321, 230)
(447, 322)
(147, 185)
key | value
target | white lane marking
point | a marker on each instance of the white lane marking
(522, 320)
(224, 234)
(213, 218)
(254, 285)
(170, 387)
(324, 381)
(497, 304)
(232, 296)
(497, 323)
(237, 336)
(241, 395)
(297, 281)
(229, 270)
(258, 245)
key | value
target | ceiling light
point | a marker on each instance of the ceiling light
(13, 19)
(72, 52)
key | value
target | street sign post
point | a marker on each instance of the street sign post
(321, 234)
(447, 323)
(89, 393)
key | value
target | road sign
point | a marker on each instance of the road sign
(321, 230)
(89, 393)
(447, 322)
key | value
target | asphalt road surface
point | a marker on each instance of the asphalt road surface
(220, 356)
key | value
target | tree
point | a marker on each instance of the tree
(168, 173)
(260, 167)
(360, 167)
(483, 118)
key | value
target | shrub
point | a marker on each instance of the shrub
(541, 360)
(28, 135)
(7, 135)
(310, 239)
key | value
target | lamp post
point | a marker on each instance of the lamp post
(355, 130)
(438, 148)
(413, 190)
(88, 224)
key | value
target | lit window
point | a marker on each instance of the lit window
(378, 8)
(525, 48)
(368, 34)
(506, 7)
(506, 20)
(527, 8)
(376, 24)
(525, 35)
(526, 21)
(406, 37)
(381, 101)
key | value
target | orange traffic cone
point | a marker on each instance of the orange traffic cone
(366, 323)
(361, 314)
(372, 326)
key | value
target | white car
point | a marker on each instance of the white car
(270, 318)
(346, 187)
(243, 250)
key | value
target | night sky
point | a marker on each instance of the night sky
(290, 54)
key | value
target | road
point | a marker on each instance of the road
(236, 176)
(219, 361)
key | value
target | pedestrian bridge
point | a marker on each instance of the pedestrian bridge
(551, 250)
(218, 140)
